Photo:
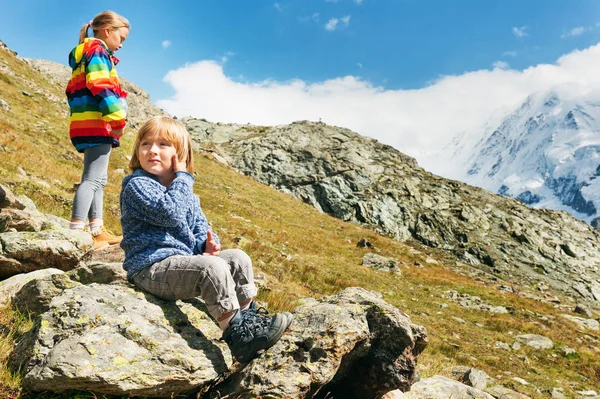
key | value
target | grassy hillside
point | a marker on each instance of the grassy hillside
(301, 251)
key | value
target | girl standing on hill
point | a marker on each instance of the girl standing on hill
(171, 251)
(98, 111)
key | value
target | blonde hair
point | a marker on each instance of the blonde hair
(104, 20)
(172, 131)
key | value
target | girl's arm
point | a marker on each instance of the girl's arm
(201, 228)
(149, 201)
(103, 88)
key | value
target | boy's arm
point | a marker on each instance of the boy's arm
(148, 201)
(98, 81)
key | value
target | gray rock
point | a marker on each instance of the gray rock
(535, 341)
(350, 345)
(438, 387)
(568, 351)
(35, 296)
(395, 394)
(8, 199)
(380, 262)
(4, 105)
(115, 340)
(589, 324)
(557, 393)
(500, 392)
(12, 285)
(101, 273)
(583, 309)
(60, 249)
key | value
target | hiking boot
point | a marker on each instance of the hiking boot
(253, 330)
(106, 236)
(99, 244)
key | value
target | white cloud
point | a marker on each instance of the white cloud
(520, 32)
(358, 1)
(580, 30)
(166, 43)
(510, 53)
(315, 17)
(332, 24)
(413, 121)
(501, 65)
(278, 7)
(225, 57)
(359, 65)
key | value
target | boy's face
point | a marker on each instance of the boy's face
(156, 157)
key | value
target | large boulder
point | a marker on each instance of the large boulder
(31, 240)
(350, 345)
(113, 339)
(60, 249)
(12, 285)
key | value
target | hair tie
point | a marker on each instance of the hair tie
(90, 23)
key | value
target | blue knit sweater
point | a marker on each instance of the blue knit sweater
(159, 222)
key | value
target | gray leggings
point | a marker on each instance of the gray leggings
(88, 200)
(223, 282)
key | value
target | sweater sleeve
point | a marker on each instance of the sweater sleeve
(103, 88)
(201, 228)
(149, 201)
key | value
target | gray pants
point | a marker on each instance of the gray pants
(88, 200)
(223, 282)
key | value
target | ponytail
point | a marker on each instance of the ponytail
(104, 20)
(83, 32)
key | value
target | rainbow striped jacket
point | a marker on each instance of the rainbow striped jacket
(93, 94)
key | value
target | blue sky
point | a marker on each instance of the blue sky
(270, 62)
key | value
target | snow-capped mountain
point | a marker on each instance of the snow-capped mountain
(545, 153)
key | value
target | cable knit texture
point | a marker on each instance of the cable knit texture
(159, 222)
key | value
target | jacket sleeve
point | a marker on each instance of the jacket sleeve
(201, 228)
(102, 87)
(147, 200)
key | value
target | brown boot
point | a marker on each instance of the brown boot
(106, 236)
(99, 244)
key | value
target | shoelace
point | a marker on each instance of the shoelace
(253, 320)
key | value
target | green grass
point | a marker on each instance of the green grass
(302, 252)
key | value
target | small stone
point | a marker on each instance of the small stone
(501, 345)
(4, 105)
(364, 243)
(583, 309)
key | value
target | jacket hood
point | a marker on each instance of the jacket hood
(81, 50)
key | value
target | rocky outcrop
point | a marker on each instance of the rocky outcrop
(363, 181)
(351, 345)
(30, 240)
(113, 339)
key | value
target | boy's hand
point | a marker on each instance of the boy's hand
(178, 166)
(117, 132)
(212, 248)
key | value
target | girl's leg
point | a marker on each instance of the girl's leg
(240, 267)
(187, 277)
(93, 180)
